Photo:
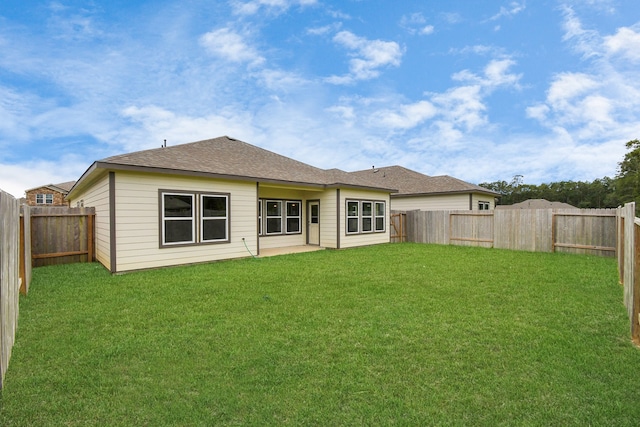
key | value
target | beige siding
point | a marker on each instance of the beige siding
(352, 240)
(138, 221)
(97, 196)
(431, 203)
(328, 219)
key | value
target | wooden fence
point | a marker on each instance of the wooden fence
(9, 277)
(61, 235)
(585, 231)
(629, 264)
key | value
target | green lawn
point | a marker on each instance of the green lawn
(403, 334)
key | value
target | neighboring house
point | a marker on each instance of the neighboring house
(417, 191)
(221, 199)
(49, 195)
(537, 204)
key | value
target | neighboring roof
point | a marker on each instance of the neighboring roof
(63, 187)
(412, 183)
(230, 158)
(537, 204)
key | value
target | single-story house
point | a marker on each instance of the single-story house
(49, 195)
(417, 191)
(220, 199)
(537, 204)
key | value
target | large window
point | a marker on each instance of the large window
(364, 216)
(193, 218)
(280, 217)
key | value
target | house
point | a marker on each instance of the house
(417, 191)
(537, 204)
(221, 199)
(49, 195)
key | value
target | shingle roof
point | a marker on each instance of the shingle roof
(409, 182)
(63, 187)
(231, 158)
(537, 204)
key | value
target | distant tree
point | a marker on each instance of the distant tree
(628, 177)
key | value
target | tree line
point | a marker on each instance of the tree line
(600, 193)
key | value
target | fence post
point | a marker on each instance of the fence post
(635, 292)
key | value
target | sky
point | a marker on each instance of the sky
(479, 90)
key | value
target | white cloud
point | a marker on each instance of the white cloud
(585, 42)
(513, 9)
(230, 45)
(368, 57)
(405, 116)
(415, 23)
(626, 43)
(495, 74)
(272, 6)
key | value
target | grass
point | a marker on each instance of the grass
(404, 334)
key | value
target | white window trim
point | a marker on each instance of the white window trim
(196, 218)
(376, 216)
(219, 218)
(268, 217)
(191, 218)
(263, 218)
(363, 217)
(360, 216)
(286, 217)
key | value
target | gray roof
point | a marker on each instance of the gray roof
(233, 159)
(537, 204)
(412, 183)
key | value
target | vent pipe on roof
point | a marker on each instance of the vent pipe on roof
(165, 144)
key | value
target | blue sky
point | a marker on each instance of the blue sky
(479, 90)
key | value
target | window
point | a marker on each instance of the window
(44, 199)
(483, 206)
(365, 216)
(178, 218)
(353, 217)
(293, 217)
(380, 215)
(274, 216)
(193, 218)
(280, 216)
(260, 217)
(214, 218)
(315, 214)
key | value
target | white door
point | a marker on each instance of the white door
(313, 223)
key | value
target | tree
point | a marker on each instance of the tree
(628, 177)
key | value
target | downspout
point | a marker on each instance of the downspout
(470, 201)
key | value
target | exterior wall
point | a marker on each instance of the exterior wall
(58, 197)
(138, 221)
(352, 240)
(432, 203)
(97, 196)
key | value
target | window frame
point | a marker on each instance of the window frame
(46, 198)
(360, 217)
(483, 205)
(376, 217)
(197, 218)
(224, 218)
(263, 217)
